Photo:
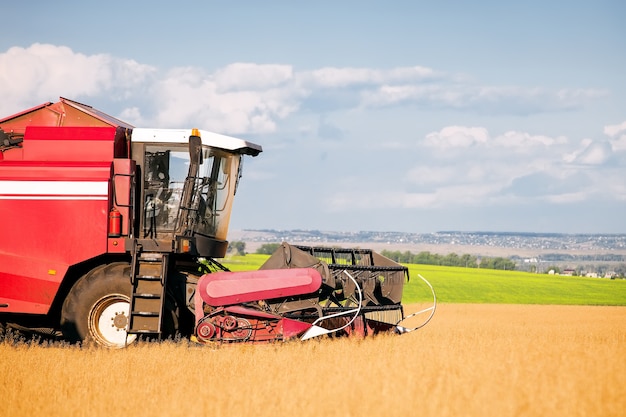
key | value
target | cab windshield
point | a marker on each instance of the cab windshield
(166, 168)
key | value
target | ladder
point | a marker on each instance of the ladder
(147, 299)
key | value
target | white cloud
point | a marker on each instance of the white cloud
(617, 133)
(133, 116)
(393, 95)
(576, 94)
(525, 141)
(450, 195)
(614, 130)
(253, 98)
(418, 200)
(590, 152)
(445, 195)
(595, 154)
(567, 198)
(247, 103)
(42, 72)
(249, 76)
(457, 137)
(462, 165)
(451, 93)
(332, 77)
(239, 98)
(429, 175)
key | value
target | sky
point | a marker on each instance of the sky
(410, 116)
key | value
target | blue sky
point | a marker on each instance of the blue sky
(379, 116)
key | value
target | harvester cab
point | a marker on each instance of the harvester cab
(188, 180)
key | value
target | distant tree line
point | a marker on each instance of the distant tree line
(598, 257)
(236, 248)
(267, 248)
(451, 259)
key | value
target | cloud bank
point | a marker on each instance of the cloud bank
(248, 97)
(452, 165)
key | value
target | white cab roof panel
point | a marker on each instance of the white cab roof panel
(216, 140)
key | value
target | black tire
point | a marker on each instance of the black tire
(101, 294)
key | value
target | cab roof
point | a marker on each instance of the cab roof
(69, 113)
(216, 140)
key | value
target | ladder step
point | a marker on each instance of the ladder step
(146, 295)
(145, 313)
(151, 259)
(149, 277)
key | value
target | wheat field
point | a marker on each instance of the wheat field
(470, 360)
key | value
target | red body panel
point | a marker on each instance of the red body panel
(43, 143)
(55, 198)
(227, 288)
(45, 232)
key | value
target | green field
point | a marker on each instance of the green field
(471, 285)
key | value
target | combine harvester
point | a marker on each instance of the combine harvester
(110, 233)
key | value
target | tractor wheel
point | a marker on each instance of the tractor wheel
(97, 307)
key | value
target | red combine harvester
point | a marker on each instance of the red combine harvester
(110, 233)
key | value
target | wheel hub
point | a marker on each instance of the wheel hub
(120, 321)
(109, 319)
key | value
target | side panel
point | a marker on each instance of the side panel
(70, 143)
(227, 288)
(51, 218)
